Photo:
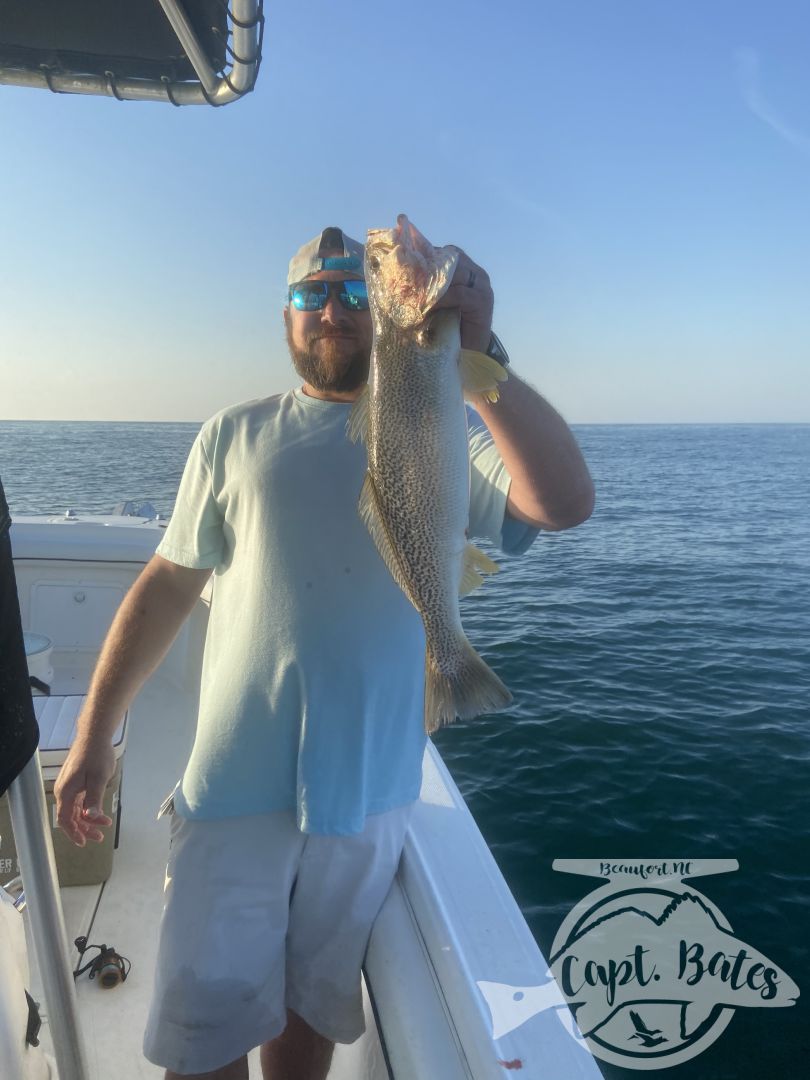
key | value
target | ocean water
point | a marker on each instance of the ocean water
(659, 656)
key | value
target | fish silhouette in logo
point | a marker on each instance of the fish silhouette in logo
(682, 957)
(511, 1006)
(626, 955)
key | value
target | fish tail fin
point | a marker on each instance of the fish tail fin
(473, 688)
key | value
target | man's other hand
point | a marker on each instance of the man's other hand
(471, 292)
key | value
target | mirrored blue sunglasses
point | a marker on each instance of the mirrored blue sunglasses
(314, 295)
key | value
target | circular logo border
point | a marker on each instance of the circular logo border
(704, 1036)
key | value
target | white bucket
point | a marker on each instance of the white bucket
(38, 649)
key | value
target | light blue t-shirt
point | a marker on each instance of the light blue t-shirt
(312, 691)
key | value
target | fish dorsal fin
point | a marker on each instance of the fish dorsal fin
(357, 424)
(475, 565)
(480, 374)
(370, 513)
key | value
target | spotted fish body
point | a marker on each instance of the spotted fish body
(415, 499)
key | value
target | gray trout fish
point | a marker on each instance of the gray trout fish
(416, 495)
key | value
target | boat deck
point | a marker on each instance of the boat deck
(125, 911)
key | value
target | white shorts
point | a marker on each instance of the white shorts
(260, 917)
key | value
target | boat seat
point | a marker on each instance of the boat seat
(57, 716)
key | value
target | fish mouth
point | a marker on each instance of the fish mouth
(406, 274)
(403, 233)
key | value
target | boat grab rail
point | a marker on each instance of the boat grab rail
(29, 821)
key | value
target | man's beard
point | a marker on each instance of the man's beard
(324, 374)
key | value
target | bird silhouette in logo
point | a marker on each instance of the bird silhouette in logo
(644, 1034)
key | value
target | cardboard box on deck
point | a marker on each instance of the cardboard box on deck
(57, 718)
(89, 865)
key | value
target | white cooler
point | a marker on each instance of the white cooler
(38, 649)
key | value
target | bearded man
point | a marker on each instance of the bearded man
(308, 754)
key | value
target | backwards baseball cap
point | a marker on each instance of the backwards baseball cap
(310, 258)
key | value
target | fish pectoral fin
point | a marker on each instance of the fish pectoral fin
(369, 508)
(474, 565)
(480, 374)
(357, 424)
(440, 276)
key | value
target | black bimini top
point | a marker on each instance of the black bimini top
(184, 52)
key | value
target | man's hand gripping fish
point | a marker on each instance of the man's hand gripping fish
(416, 495)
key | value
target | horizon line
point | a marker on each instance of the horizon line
(576, 423)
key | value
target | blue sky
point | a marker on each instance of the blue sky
(634, 175)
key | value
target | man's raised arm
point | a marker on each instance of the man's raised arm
(551, 485)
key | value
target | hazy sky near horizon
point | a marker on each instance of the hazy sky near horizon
(634, 175)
